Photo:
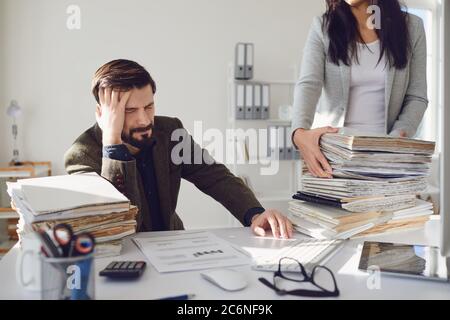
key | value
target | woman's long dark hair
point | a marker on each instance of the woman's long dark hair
(342, 28)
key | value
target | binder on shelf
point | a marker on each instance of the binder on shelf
(295, 153)
(265, 101)
(257, 101)
(248, 73)
(240, 101)
(248, 101)
(239, 63)
(289, 147)
(281, 143)
(272, 139)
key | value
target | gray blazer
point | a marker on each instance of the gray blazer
(405, 94)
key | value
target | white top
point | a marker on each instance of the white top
(366, 107)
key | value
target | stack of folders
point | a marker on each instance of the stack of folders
(377, 157)
(280, 142)
(325, 222)
(87, 202)
(252, 100)
(243, 61)
(374, 189)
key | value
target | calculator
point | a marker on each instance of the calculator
(124, 269)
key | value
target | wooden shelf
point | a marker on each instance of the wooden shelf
(26, 169)
(13, 172)
(5, 246)
(8, 213)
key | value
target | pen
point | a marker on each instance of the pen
(180, 297)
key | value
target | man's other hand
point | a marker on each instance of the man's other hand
(272, 219)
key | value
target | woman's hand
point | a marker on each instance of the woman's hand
(307, 141)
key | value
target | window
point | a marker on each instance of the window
(429, 12)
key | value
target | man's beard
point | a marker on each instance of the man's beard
(140, 144)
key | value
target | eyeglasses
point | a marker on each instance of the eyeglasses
(286, 272)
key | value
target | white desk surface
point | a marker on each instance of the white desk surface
(352, 283)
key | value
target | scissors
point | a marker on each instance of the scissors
(72, 244)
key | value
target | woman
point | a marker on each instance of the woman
(369, 79)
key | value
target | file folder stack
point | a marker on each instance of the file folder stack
(87, 202)
(370, 157)
(252, 100)
(325, 222)
(280, 143)
(376, 180)
(243, 61)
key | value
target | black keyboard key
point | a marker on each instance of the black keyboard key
(124, 269)
(111, 265)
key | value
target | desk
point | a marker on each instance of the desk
(352, 283)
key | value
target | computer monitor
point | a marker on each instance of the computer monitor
(445, 136)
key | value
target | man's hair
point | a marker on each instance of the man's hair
(121, 75)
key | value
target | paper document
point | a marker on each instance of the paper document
(189, 251)
(379, 143)
(67, 193)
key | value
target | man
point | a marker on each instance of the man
(133, 149)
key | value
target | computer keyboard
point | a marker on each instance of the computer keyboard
(308, 252)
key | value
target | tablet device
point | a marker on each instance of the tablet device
(416, 261)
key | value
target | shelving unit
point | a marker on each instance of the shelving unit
(272, 191)
(8, 217)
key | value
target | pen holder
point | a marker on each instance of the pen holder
(69, 278)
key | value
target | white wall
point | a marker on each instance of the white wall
(185, 44)
(3, 132)
(446, 38)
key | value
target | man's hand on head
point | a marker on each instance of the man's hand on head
(110, 114)
(272, 219)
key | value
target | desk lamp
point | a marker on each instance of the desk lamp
(14, 111)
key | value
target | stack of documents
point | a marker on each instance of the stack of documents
(377, 157)
(87, 202)
(376, 180)
(377, 143)
(361, 204)
(361, 194)
(325, 222)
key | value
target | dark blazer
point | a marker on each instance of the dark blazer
(85, 155)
